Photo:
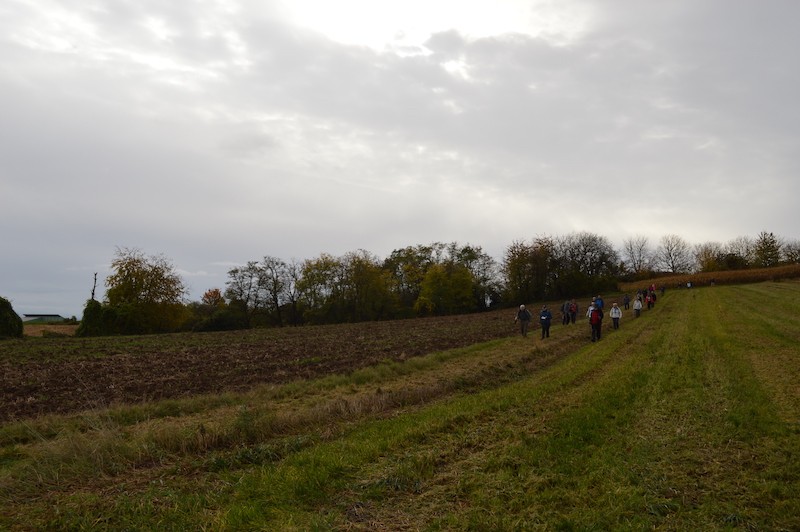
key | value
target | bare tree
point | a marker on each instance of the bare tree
(243, 287)
(588, 253)
(637, 254)
(674, 254)
(274, 281)
(739, 251)
(791, 251)
(581, 263)
(294, 274)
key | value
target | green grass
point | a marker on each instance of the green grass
(687, 418)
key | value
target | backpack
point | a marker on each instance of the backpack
(594, 317)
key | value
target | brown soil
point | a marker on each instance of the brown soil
(62, 375)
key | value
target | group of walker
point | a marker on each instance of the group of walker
(595, 313)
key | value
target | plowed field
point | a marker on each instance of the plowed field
(60, 375)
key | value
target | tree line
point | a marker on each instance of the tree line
(144, 294)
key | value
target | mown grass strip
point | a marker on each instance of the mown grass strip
(657, 439)
(426, 443)
(773, 353)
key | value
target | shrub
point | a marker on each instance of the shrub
(10, 322)
(224, 319)
(92, 321)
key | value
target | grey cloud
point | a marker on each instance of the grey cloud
(240, 135)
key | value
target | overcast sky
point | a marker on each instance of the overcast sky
(214, 132)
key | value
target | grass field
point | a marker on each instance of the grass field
(687, 418)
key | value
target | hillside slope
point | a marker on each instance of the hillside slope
(687, 418)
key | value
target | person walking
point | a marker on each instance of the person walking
(565, 313)
(595, 315)
(545, 318)
(573, 311)
(626, 301)
(637, 307)
(523, 317)
(616, 314)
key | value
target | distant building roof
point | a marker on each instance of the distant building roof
(42, 317)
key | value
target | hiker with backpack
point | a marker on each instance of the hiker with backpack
(565, 313)
(595, 315)
(524, 318)
(545, 317)
(573, 311)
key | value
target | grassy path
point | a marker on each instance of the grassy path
(666, 425)
(687, 418)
